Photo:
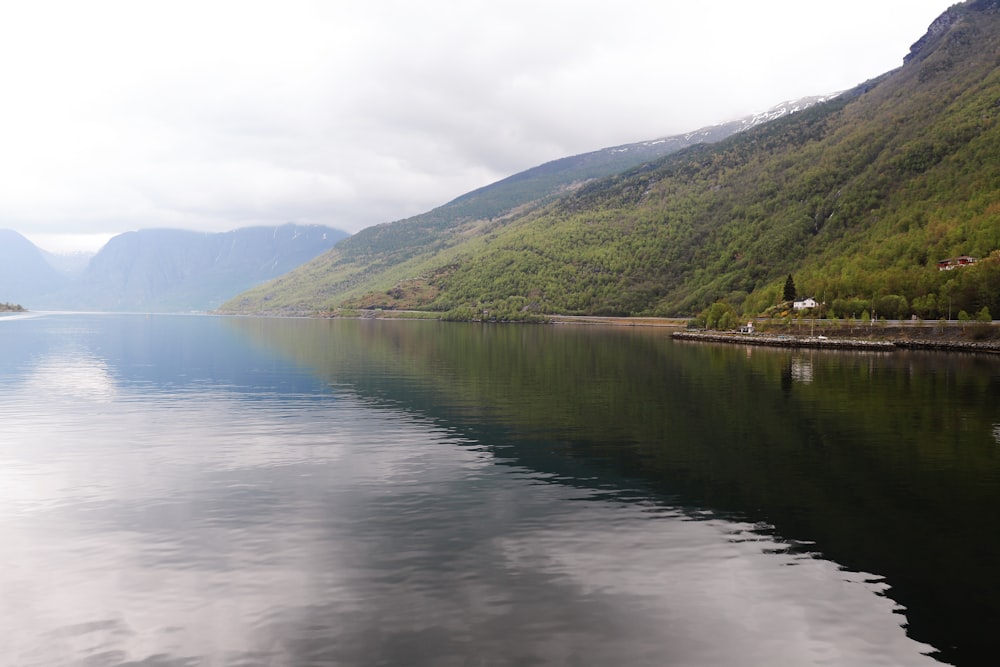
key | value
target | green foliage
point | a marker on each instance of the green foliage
(789, 292)
(720, 315)
(892, 306)
(859, 198)
(849, 308)
(461, 314)
(984, 315)
(963, 316)
(925, 307)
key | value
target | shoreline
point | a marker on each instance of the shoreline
(888, 344)
(951, 336)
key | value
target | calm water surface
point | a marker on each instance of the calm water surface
(189, 491)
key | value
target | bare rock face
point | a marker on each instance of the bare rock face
(944, 23)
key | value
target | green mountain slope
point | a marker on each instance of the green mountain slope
(859, 198)
(379, 257)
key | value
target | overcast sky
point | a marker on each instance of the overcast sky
(213, 115)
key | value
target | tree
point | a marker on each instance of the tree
(789, 294)
(720, 315)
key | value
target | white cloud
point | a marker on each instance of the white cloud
(216, 115)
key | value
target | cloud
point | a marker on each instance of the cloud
(312, 529)
(216, 115)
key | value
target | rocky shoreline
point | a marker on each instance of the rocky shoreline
(823, 342)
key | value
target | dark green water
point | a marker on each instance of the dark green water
(211, 491)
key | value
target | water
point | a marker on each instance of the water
(188, 491)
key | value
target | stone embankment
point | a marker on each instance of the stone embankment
(949, 346)
(823, 342)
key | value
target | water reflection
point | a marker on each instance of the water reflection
(311, 493)
(381, 539)
(802, 370)
(71, 376)
(885, 461)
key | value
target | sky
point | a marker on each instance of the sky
(215, 114)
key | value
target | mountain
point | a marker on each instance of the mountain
(178, 270)
(378, 257)
(69, 264)
(553, 178)
(24, 272)
(859, 197)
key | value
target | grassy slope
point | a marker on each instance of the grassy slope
(379, 257)
(858, 198)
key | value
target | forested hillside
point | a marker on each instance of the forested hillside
(858, 198)
(380, 258)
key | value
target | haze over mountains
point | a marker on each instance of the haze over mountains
(161, 270)
(859, 196)
(25, 274)
(175, 270)
(386, 253)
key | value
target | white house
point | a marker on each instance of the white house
(808, 302)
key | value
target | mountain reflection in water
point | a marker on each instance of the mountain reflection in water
(209, 491)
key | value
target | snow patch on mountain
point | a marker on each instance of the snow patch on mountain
(784, 109)
(720, 131)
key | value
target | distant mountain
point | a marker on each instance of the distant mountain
(70, 264)
(859, 197)
(170, 270)
(25, 275)
(377, 257)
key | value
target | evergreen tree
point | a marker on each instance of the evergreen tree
(789, 294)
